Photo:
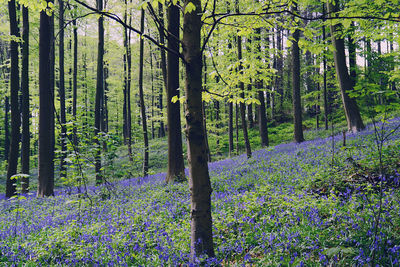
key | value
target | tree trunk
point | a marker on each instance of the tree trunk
(262, 118)
(25, 146)
(241, 88)
(204, 112)
(230, 128)
(326, 104)
(99, 94)
(163, 66)
(353, 117)
(298, 124)
(141, 99)
(199, 182)
(6, 128)
(15, 115)
(176, 167)
(352, 58)
(230, 104)
(61, 92)
(46, 106)
(242, 105)
(75, 82)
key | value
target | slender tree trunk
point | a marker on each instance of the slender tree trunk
(6, 128)
(242, 105)
(352, 58)
(279, 68)
(241, 88)
(25, 146)
(353, 117)
(199, 182)
(163, 66)
(297, 114)
(262, 118)
(205, 113)
(230, 128)
(326, 104)
(75, 83)
(63, 169)
(15, 115)
(176, 167)
(46, 107)
(230, 104)
(99, 94)
(237, 128)
(141, 99)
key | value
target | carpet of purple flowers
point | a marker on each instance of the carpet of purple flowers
(264, 213)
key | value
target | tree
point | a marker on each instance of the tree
(61, 89)
(99, 93)
(297, 112)
(141, 100)
(241, 88)
(176, 167)
(25, 144)
(262, 116)
(346, 84)
(46, 102)
(15, 115)
(199, 181)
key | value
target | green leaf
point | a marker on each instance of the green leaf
(190, 7)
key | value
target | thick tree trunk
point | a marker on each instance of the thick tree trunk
(353, 117)
(61, 92)
(15, 115)
(46, 106)
(176, 167)
(141, 99)
(99, 94)
(25, 146)
(297, 111)
(199, 182)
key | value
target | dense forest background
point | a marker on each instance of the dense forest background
(94, 92)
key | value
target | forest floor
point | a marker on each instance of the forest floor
(314, 203)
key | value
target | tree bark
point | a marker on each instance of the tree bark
(241, 88)
(46, 106)
(262, 118)
(326, 104)
(353, 116)
(6, 128)
(25, 146)
(75, 83)
(298, 124)
(199, 182)
(15, 115)
(61, 92)
(99, 94)
(141, 99)
(176, 167)
(162, 65)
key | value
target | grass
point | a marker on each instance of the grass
(266, 212)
